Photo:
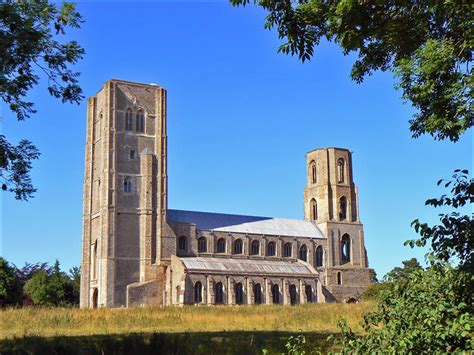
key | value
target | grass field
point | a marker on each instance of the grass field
(54, 322)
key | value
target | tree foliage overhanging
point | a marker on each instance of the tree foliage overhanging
(426, 44)
(30, 47)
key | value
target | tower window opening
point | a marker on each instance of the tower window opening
(313, 172)
(339, 278)
(340, 170)
(94, 261)
(314, 210)
(345, 249)
(132, 154)
(342, 208)
(127, 185)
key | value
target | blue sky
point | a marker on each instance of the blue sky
(240, 119)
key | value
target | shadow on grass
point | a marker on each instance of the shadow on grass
(162, 343)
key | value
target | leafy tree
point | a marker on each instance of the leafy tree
(10, 286)
(50, 288)
(421, 313)
(374, 291)
(409, 266)
(454, 236)
(75, 280)
(427, 311)
(28, 270)
(29, 42)
(426, 44)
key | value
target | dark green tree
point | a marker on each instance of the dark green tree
(426, 44)
(10, 286)
(409, 266)
(27, 271)
(30, 45)
(75, 281)
(50, 288)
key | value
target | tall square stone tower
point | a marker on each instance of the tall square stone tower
(125, 192)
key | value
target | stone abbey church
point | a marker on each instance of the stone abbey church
(136, 251)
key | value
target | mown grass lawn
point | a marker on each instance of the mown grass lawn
(54, 322)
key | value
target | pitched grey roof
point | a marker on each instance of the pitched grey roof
(246, 266)
(247, 224)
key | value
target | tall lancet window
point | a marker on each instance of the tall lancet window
(342, 208)
(313, 210)
(140, 122)
(345, 249)
(313, 172)
(128, 120)
(340, 170)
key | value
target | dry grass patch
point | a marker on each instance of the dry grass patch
(47, 322)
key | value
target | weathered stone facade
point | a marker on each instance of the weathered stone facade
(137, 252)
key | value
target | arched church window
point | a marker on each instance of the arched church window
(95, 298)
(202, 245)
(221, 245)
(293, 295)
(255, 247)
(340, 170)
(238, 246)
(127, 184)
(239, 293)
(313, 172)
(319, 256)
(303, 253)
(342, 208)
(314, 210)
(345, 249)
(219, 293)
(271, 249)
(128, 120)
(140, 122)
(182, 243)
(94, 261)
(257, 294)
(287, 248)
(309, 294)
(198, 292)
(275, 294)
